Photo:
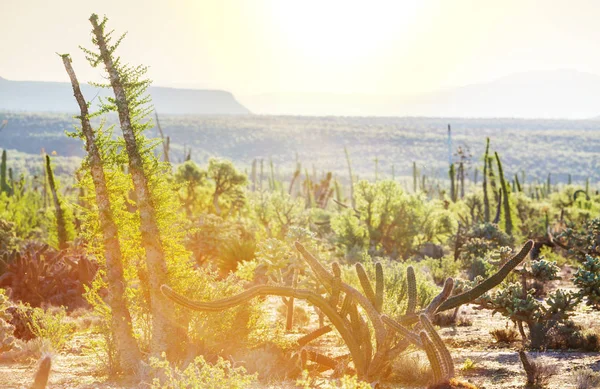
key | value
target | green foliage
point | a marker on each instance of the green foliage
(52, 325)
(228, 184)
(441, 268)
(277, 212)
(390, 221)
(587, 279)
(7, 339)
(481, 239)
(200, 374)
(345, 382)
(583, 242)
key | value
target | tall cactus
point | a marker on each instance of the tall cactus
(486, 199)
(452, 175)
(508, 226)
(351, 177)
(61, 225)
(3, 182)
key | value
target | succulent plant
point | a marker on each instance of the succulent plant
(587, 278)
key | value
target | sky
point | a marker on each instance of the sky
(252, 47)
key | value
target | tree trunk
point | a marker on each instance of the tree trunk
(162, 309)
(128, 353)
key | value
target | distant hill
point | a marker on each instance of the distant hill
(567, 94)
(37, 96)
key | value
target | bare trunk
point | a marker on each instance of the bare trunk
(216, 204)
(127, 348)
(162, 309)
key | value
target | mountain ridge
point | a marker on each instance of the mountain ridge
(53, 96)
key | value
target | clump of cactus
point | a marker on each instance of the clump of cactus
(40, 275)
(358, 318)
(587, 278)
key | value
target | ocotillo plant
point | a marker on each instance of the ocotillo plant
(508, 226)
(341, 306)
(61, 225)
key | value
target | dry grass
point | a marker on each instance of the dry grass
(505, 335)
(586, 379)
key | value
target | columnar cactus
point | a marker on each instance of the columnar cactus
(392, 335)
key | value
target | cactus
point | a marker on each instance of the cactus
(528, 367)
(371, 361)
(351, 176)
(452, 175)
(587, 279)
(40, 275)
(517, 183)
(415, 177)
(61, 225)
(486, 200)
(508, 226)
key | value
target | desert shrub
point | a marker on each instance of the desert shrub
(276, 212)
(440, 269)
(586, 379)
(481, 239)
(7, 339)
(390, 222)
(221, 243)
(53, 325)
(199, 374)
(345, 382)
(584, 241)
(504, 335)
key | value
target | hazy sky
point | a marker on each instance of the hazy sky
(262, 46)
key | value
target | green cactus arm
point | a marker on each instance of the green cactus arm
(336, 285)
(365, 283)
(492, 281)
(411, 282)
(433, 357)
(438, 343)
(306, 339)
(379, 286)
(282, 291)
(320, 272)
(441, 297)
(326, 278)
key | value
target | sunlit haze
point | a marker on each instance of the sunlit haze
(269, 47)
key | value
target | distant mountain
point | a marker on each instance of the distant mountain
(566, 94)
(37, 96)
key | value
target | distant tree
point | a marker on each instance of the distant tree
(228, 181)
(190, 176)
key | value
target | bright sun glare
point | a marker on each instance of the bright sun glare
(334, 32)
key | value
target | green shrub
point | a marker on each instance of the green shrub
(200, 374)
